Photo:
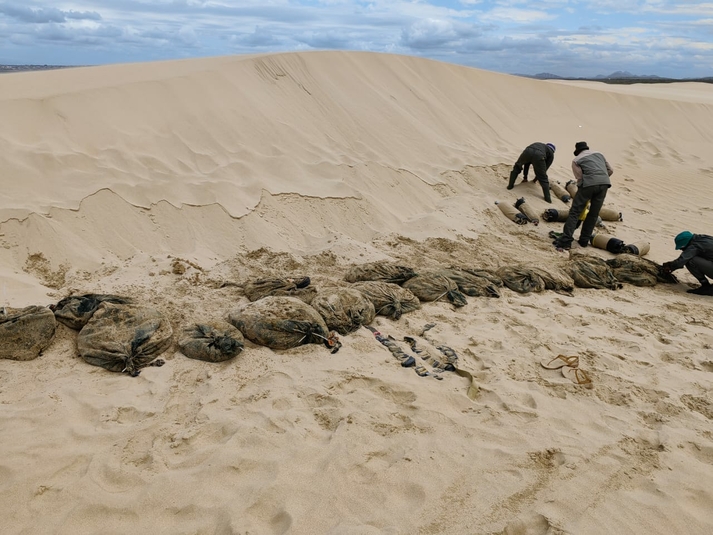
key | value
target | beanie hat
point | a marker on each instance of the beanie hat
(683, 239)
(550, 145)
(580, 146)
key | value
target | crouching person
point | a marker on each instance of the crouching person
(697, 257)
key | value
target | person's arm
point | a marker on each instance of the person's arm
(609, 169)
(577, 172)
(549, 159)
(686, 255)
(526, 170)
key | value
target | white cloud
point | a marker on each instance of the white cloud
(559, 36)
(517, 16)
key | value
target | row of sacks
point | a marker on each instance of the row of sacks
(121, 336)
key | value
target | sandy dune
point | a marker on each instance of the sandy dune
(248, 166)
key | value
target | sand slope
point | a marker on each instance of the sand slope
(248, 166)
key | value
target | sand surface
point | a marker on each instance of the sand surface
(277, 165)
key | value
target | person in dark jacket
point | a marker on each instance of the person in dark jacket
(592, 172)
(540, 156)
(697, 257)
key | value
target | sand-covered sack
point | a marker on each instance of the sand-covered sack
(298, 287)
(633, 269)
(555, 279)
(379, 271)
(591, 272)
(211, 341)
(124, 338)
(473, 283)
(76, 310)
(25, 332)
(522, 279)
(344, 309)
(431, 286)
(389, 299)
(280, 323)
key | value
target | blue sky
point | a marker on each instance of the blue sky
(566, 37)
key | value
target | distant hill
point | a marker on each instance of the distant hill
(619, 77)
(546, 76)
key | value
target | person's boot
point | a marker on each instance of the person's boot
(513, 178)
(546, 190)
(704, 289)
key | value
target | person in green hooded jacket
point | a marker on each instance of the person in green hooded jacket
(697, 257)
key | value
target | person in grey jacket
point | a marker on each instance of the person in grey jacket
(697, 257)
(592, 172)
(540, 156)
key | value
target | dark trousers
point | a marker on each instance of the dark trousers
(595, 195)
(527, 158)
(700, 268)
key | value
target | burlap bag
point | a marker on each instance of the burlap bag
(471, 284)
(298, 287)
(608, 243)
(379, 271)
(389, 299)
(431, 286)
(638, 271)
(344, 309)
(609, 214)
(24, 333)
(527, 210)
(591, 272)
(561, 193)
(76, 310)
(571, 187)
(280, 323)
(522, 279)
(555, 215)
(124, 338)
(211, 341)
(639, 248)
(512, 213)
(555, 279)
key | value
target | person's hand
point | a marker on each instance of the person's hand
(666, 267)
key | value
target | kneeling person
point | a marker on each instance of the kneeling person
(697, 257)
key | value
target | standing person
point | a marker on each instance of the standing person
(697, 257)
(540, 156)
(592, 172)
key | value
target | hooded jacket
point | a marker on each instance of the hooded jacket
(700, 245)
(591, 168)
(540, 151)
